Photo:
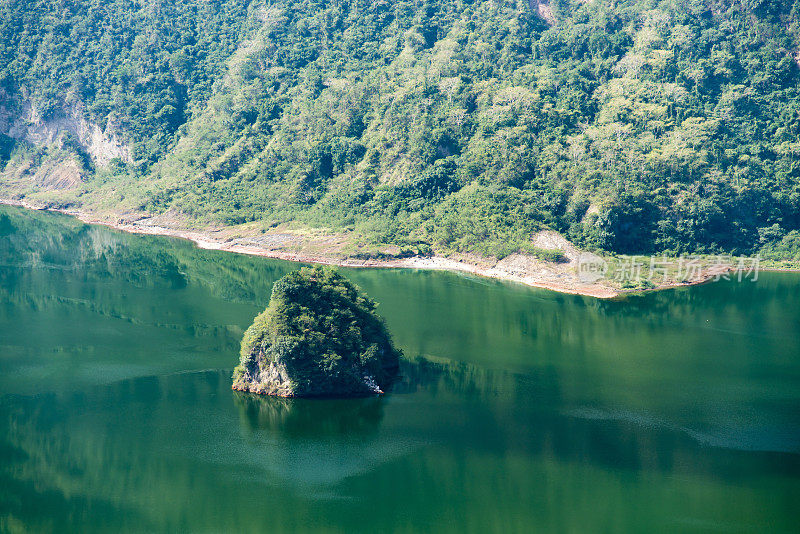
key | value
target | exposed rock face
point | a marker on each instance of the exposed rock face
(550, 240)
(101, 145)
(543, 10)
(318, 337)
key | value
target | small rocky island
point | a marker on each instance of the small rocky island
(318, 337)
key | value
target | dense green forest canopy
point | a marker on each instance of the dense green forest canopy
(630, 126)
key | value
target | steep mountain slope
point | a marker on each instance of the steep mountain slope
(631, 126)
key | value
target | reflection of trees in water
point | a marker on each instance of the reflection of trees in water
(314, 418)
(62, 243)
(317, 418)
(45, 474)
(464, 380)
(6, 226)
(26, 506)
(532, 414)
(476, 409)
(725, 298)
(102, 448)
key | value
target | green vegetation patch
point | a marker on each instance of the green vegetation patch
(319, 336)
(635, 126)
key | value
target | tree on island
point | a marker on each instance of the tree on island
(319, 336)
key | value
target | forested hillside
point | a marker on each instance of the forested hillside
(632, 126)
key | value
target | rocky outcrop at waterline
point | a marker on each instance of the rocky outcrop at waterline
(318, 337)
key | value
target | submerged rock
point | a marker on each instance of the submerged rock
(319, 336)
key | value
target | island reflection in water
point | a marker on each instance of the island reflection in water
(310, 417)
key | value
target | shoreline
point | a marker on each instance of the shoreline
(205, 240)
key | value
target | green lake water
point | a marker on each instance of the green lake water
(518, 410)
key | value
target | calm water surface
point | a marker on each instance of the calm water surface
(519, 410)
